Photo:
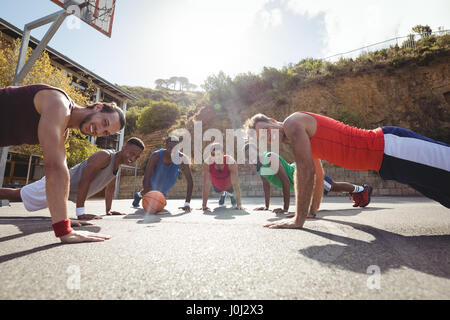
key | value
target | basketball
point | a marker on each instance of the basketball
(153, 201)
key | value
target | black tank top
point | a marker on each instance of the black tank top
(19, 119)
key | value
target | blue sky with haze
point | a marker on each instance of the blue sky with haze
(196, 38)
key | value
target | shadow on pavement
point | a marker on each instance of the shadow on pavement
(144, 217)
(429, 253)
(15, 255)
(330, 213)
(32, 225)
(223, 213)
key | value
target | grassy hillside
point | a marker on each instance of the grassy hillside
(403, 86)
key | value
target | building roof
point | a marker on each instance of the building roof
(69, 65)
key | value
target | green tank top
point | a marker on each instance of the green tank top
(271, 176)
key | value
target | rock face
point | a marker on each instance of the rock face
(412, 96)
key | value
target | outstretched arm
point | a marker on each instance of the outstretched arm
(151, 164)
(95, 163)
(206, 186)
(285, 182)
(318, 186)
(109, 195)
(190, 185)
(235, 182)
(55, 114)
(266, 187)
(296, 133)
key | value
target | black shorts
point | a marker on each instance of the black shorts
(420, 162)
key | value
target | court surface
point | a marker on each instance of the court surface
(397, 248)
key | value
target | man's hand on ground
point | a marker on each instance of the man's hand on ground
(291, 215)
(89, 217)
(75, 223)
(83, 236)
(115, 213)
(279, 210)
(283, 225)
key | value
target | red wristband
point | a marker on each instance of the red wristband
(62, 228)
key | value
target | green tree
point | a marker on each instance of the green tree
(78, 149)
(161, 83)
(183, 81)
(158, 115)
(173, 81)
(219, 87)
(132, 117)
(424, 31)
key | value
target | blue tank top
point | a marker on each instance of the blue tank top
(164, 177)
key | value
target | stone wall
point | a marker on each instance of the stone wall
(251, 185)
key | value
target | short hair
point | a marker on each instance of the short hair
(137, 142)
(251, 123)
(247, 146)
(216, 146)
(110, 107)
(172, 139)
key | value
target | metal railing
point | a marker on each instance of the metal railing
(408, 41)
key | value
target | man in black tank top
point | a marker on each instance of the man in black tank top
(41, 114)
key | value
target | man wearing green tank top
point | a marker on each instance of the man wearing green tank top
(284, 180)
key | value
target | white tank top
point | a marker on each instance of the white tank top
(98, 183)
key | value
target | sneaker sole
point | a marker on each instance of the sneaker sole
(369, 197)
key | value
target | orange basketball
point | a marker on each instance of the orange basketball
(153, 201)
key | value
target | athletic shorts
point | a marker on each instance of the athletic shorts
(34, 196)
(231, 190)
(420, 162)
(327, 182)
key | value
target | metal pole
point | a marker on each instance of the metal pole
(3, 157)
(135, 177)
(29, 167)
(122, 134)
(57, 19)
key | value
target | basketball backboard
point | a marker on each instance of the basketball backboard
(97, 13)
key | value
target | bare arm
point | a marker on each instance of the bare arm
(95, 163)
(286, 185)
(52, 126)
(206, 186)
(318, 186)
(296, 133)
(54, 109)
(109, 194)
(190, 183)
(235, 182)
(151, 164)
(266, 188)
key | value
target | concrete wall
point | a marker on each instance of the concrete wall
(251, 185)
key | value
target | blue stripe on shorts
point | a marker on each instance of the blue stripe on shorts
(327, 182)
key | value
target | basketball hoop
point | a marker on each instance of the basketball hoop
(99, 14)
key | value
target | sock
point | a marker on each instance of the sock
(358, 189)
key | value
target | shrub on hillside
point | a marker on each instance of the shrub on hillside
(132, 117)
(158, 115)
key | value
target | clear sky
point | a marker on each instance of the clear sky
(154, 39)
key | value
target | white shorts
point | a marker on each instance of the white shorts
(34, 196)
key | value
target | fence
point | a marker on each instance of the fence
(408, 41)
